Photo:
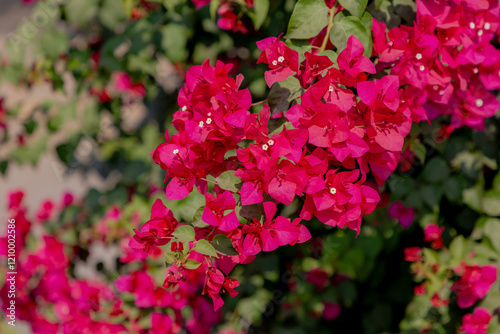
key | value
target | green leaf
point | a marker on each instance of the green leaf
(54, 43)
(261, 8)
(170, 258)
(457, 247)
(472, 197)
(228, 180)
(309, 17)
(491, 202)
(250, 211)
(355, 7)
(223, 245)
(351, 26)
(436, 170)
(184, 233)
(214, 4)
(197, 221)
(192, 264)
(330, 54)
(496, 182)
(492, 231)
(80, 12)
(278, 99)
(111, 13)
(174, 40)
(205, 248)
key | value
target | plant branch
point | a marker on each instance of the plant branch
(328, 29)
(258, 103)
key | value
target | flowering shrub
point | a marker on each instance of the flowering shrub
(369, 105)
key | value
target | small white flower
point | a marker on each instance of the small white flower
(330, 89)
(281, 59)
(209, 114)
(265, 147)
(422, 68)
(333, 191)
(472, 25)
(480, 32)
(270, 142)
(441, 92)
(209, 120)
(487, 26)
(275, 62)
(479, 103)
(176, 151)
(391, 43)
(475, 70)
(418, 56)
(201, 124)
(184, 108)
(435, 87)
(403, 101)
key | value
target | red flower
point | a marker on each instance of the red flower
(477, 322)
(282, 60)
(413, 254)
(432, 233)
(474, 284)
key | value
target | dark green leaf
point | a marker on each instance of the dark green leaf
(223, 245)
(261, 8)
(184, 233)
(228, 180)
(355, 7)
(309, 17)
(192, 264)
(205, 248)
(351, 26)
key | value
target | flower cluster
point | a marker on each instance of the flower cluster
(55, 296)
(446, 60)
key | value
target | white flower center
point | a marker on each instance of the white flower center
(480, 32)
(270, 142)
(391, 43)
(275, 62)
(176, 151)
(441, 92)
(209, 114)
(265, 147)
(184, 108)
(479, 103)
(418, 56)
(281, 59)
(333, 191)
(330, 89)
(201, 124)
(472, 25)
(422, 68)
(487, 26)
(209, 120)
(435, 87)
(475, 70)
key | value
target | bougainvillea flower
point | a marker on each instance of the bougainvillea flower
(404, 215)
(474, 284)
(213, 214)
(157, 231)
(477, 322)
(432, 233)
(123, 83)
(353, 64)
(282, 60)
(413, 254)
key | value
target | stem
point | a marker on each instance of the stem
(258, 103)
(328, 29)
(202, 178)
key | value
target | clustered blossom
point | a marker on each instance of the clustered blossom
(476, 322)
(474, 284)
(229, 17)
(323, 154)
(53, 299)
(446, 60)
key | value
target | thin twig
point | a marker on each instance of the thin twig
(328, 29)
(258, 103)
